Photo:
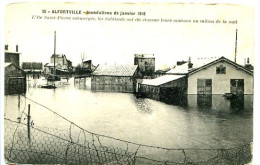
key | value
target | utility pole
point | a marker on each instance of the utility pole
(236, 48)
(29, 122)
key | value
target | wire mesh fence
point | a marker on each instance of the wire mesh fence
(78, 146)
(26, 143)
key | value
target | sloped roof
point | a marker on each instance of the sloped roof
(199, 62)
(179, 69)
(221, 59)
(58, 56)
(115, 70)
(51, 64)
(12, 52)
(7, 64)
(161, 80)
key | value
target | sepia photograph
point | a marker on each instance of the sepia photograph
(128, 83)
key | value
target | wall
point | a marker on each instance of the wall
(149, 91)
(62, 61)
(47, 69)
(221, 82)
(13, 58)
(145, 70)
(12, 71)
(167, 91)
(113, 84)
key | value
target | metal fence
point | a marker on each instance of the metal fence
(25, 143)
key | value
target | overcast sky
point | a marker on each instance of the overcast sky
(117, 42)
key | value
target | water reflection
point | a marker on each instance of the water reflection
(182, 121)
(143, 106)
(237, 103)
(204, 101)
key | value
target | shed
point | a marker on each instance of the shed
(15, 79)
(164, 88)
(114, 78)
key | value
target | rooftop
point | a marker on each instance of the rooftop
(115, 70)
(145, 55)
(197, 63)
(179, 69)
(7, 64)
(51, 64)
(161, 80)
(58, 56)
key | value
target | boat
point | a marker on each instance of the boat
(48, 86)
(230, 96)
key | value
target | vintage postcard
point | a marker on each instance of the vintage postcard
(128, 83)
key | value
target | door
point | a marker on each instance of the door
(204, 86)
(237, 86)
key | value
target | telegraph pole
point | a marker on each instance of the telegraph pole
(236, 48)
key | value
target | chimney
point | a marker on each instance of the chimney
(6, 47)
(248, 65)
(190, 64)
(16, 48)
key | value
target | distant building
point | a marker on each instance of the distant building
(208, 76)
(87, 64)
(146, 65)
(12, 56)
(60, 59)
(32, 67)
(15, 79)
(115, 78)
(70, 67)
(49, 68)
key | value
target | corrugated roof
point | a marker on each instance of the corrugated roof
(115, 70)
(161, 80)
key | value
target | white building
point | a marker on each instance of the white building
(216, 76)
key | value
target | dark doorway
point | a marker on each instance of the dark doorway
(237, 86)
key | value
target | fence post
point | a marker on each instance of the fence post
(28, 122)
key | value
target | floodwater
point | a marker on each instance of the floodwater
(201, 122)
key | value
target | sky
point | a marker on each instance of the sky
(115, 42)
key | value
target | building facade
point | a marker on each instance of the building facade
(32, 67)
(116, 78)
(49, 68)
(146, 65)
(15, 79)
(219, 77)
(12, 56)
(60, 59)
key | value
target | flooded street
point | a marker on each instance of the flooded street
(201, 123)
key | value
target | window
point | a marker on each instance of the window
(221, 69)
(204, 86)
